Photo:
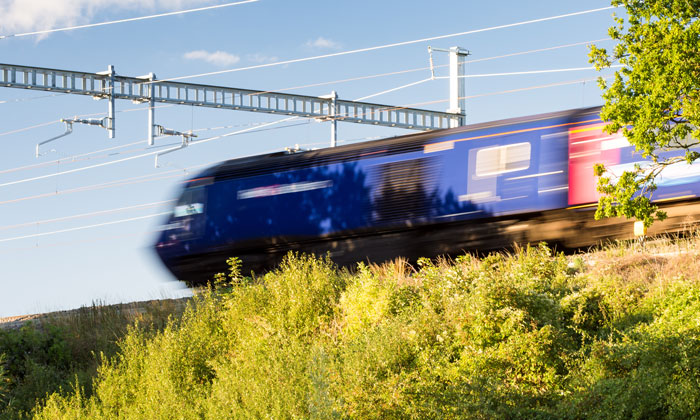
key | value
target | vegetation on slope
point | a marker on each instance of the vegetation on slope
(64, 351)
(527, 335)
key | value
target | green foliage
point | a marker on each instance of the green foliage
(3, 378)
(527, 335)
(63, 353)
(34, 362)
(653, 98)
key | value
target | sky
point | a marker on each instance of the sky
(84, 237)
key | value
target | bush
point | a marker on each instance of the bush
(525, 335)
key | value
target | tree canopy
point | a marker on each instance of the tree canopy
(654, 98)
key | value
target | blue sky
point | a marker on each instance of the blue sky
(114, 262)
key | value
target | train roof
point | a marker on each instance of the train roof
(281, 161)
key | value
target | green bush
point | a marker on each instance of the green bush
(3, 378)
(62, 353)
(525, 335)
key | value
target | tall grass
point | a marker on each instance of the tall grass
(531, 334)
(63, 351)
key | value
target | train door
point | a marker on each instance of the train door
(492, 170)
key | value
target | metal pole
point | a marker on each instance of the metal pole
(334, 122)
(110, 113)
(151, 109)
(458, 84)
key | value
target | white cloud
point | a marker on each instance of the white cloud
(218, 58)
(261, 58)
(20, 16)
(322, 43)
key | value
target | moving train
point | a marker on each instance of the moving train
(473, 188)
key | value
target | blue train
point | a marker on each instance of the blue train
(477, 187)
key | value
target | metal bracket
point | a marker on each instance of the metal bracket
(69, 129)
(110, 95)
(432, 65)
(150, 88)
(186, 138)
(102, 122)
(332, 116)
(295, 149)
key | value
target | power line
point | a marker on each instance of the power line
(92, 25)
(174, 173)
(575, 44)
(116, 183)
(168, 201)
(278, 122)
(86, 156)
(468, 76)
(83, 215)
(418, 104)
(114, 222)
(112, 162)
(394, 89)
(379, 47)
(520, 73)
(78, 241)
(19, 130)
(328, 82)
(163, 202)
(394, 73)
(33, 98)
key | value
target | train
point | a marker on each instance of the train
(477, 187)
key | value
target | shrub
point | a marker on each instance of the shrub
(524, 335)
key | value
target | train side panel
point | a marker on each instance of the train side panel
(589, 145)
(448, 191)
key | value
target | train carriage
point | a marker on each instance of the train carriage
(478, 187)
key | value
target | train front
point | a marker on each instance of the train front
(182, 237)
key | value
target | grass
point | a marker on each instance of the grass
(63, 351)
(611, 333)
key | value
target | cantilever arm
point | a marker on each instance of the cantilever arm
(69, 129)
(186, 137)
(180, 147)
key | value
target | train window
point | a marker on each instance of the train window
(189, 212)
(501, 159)
(191, 202)
(188, 209)
(403, 189)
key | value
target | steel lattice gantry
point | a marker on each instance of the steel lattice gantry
(108, 85)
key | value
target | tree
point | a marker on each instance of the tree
(654, 98)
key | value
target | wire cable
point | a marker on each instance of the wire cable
(112, 162)
(114, 222)
(87, 156)
(33, 98)
(393, 89)
(116, 183)
(339, 117)
(93, 239)
(84, 215)
(380, 47)
(332, 81)
(520, 73)
(92, 25)
(19, 130)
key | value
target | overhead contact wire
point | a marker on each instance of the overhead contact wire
(112, 22)
(380, 47)
(84, 215)
(114, 222)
